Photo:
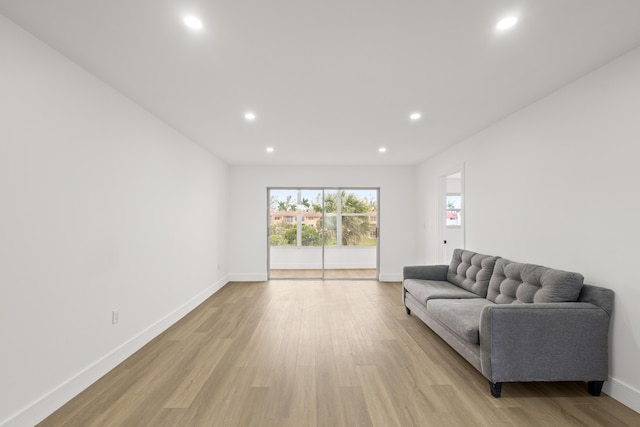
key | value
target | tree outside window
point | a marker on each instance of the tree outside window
(296, 219)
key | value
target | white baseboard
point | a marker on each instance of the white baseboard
(54, 399)
(623, 393)
(390, 277)
(260, 277)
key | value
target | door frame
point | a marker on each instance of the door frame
(442, 197)
(323, 190)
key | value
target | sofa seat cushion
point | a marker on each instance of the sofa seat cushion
(461, 316)
(425, 290)
(517, 283)
(471, 271)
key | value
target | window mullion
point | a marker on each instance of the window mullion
(339, 217)
(299, 220)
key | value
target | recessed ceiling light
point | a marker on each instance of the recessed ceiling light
(270, 149)
(415, 116)
(507, 23)
(192, 22)
(250, 116)
(382, 150)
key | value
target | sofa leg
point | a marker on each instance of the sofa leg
(595, 387)
(496, 389)
(408, 310)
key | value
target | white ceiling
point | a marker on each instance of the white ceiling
(331, 81)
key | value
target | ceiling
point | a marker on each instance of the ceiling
(332, 81)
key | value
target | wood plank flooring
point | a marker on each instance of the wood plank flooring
(351, 273)
(313, 353)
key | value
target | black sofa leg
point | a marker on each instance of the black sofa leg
(595, 387)
(408, 310)
(496, 389)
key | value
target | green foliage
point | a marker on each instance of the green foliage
(282, 206)
(310, 236)
(291, 236)
(275, 240)
(277, 233)
(354, 228)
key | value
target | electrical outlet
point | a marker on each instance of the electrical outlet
(114, 317)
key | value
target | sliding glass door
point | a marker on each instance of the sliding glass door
(323, 233)
(295, 233)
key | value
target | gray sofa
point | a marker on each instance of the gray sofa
(514, 322)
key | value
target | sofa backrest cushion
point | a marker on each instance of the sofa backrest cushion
(471, 271)
(517, 283)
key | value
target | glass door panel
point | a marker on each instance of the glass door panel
(355, 254)
(295, 240)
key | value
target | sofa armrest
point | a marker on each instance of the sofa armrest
(425, 272)
(544, 342)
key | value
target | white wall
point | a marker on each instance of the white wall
(248, 218)
(557, 184)
(102, 207)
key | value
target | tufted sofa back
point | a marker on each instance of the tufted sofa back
(471, 271)
(517, 283)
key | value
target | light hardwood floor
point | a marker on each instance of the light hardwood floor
(313, 353)
(353, 273)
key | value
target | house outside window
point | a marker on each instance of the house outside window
(454, 210)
